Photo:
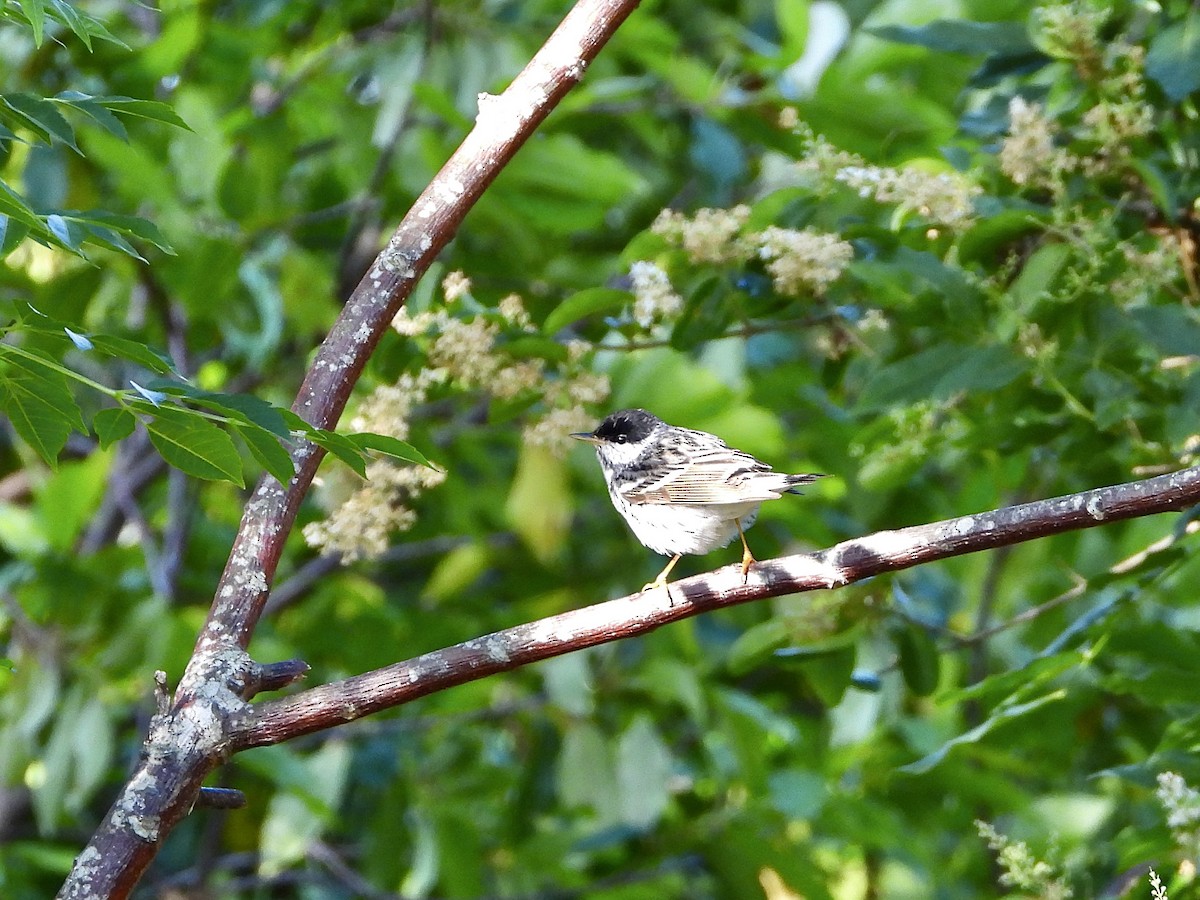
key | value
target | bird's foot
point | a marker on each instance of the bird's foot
(747, 557)
(659, 582)
(747, 562)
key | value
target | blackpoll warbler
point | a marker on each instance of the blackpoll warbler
(683, 491)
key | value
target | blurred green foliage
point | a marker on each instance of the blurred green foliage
(1028, 332)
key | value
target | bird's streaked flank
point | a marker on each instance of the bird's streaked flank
(680, 490)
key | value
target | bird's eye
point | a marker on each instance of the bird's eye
(621, 438)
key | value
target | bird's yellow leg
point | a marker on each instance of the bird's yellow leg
(747, 557)
(661, 580)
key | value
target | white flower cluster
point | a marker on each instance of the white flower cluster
(1114, 72)
(1158, 890)
(1020, 868)
(462, 354)
(710, 236)
(946, 198)
(360, 527)
(799, 261)
(1182, 806)
(1029, 155)
(653, 297)
(942, 197)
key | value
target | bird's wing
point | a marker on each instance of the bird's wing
(703, 472)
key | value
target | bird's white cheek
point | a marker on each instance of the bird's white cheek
(619, 455)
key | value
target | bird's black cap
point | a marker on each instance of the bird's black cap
(628, 426)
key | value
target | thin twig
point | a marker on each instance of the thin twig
(137, 464)
(299, 583)
(1078, 589)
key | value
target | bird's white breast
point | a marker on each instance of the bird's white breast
(693, 529)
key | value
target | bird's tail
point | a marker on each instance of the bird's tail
(794, 481)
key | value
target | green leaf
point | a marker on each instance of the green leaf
(132, 351)
(265, 448)
(1174, 58)
(792, 18)
(293, 822)
(1007, 684)
(106, 238)
(68, 235)
(827, 665)
(245, 408)
(144, 109)
(126, 226)
(707, 315)
(533, 346)
(84, 26)
(36, 421)
(37, 400)
(456, 571)
(959, 36)
(797, 793)
(585, 775)
(992, 237)
(341, 447)
(1003, 716)
(1039, 274)
(829, 674)
(195, 446)
(1162, 188)
(390, 446)
(587, 302)
(1172, 330)
(643, 765)
(87, 105)
(113, 424)
(938, 373)
(11, 234)
(756, 645)
(11, 204)
(538, 507)
(920, 661)
(42, 117)
(35, 15)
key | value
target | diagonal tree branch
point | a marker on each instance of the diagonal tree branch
(503, 124)
(885, 551)
(191, 737)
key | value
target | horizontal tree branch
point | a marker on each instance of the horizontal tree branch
(885, 551)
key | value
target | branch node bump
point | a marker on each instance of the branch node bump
(276, 675)
(162, 697)
(220, 798)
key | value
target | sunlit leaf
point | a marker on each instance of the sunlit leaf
(38, 402)
(341, 447)
(132, 351)
(42, 116)
(390, 446)
(194, 446)
(588, 302)
(113, 424)
(270, 454)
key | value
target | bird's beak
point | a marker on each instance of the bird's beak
(585, 436)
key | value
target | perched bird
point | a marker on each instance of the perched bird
(683, 491)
